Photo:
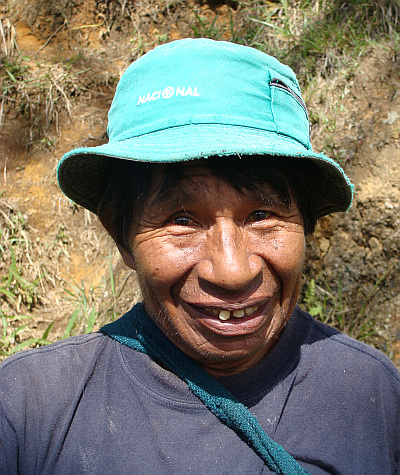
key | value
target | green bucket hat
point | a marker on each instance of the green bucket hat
(197, 98)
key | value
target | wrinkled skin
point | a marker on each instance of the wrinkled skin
(209, 247)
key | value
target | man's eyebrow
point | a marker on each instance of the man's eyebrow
(271, 197)
(266, 194)
(171, 198)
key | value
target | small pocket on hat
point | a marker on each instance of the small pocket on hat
(290, 112)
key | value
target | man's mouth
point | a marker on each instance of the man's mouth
(224, 315)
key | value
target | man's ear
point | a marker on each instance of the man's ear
(126, 254)
(128, 257)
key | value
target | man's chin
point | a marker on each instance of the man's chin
(224, 360)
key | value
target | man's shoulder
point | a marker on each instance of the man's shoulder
(52, 366)
(73, 346)
(337, 351)
(41, 383)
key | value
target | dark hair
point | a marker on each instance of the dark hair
(129, 183)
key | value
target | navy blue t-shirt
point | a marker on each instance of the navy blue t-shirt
(90, 405)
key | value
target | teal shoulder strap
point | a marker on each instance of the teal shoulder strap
(136, 330)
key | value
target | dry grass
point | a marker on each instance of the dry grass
(319, 39)
(33, 90)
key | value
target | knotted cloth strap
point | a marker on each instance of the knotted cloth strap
(136, 330)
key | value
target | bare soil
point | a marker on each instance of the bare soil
(84, 47)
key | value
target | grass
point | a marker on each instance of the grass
(320, 40)
(17, 289)
(21, 297)
(17, 292)
(37, 92)
(205, 29)
(311, 36)
(12, 339)
(24, 285)
(356, 320)
(33, 89)
(14, 288)
(317, 38)
(94, 306)
(85, 314)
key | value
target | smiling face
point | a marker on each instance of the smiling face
(219, 270)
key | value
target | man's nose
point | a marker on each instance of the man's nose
(228, 262)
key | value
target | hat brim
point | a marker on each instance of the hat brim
(81, 172)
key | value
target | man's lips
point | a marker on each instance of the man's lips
(224, 314)
(238, 313)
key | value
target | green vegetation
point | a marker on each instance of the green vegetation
(95, 306)
(12, 330)
(21, 294)
(331, 307)
(317, 38)
(312, 37)
(16, 292)
(37, 92)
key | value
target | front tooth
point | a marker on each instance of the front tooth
(250, 310)
(224, 315)
(238, 313)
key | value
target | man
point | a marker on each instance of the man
(208, 186)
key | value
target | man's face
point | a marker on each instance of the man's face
(219, 270)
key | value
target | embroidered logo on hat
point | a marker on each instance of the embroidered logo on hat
(167, 93)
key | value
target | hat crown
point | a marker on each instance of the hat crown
(202, 81)
(197, 98)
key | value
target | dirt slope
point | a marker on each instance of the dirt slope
(76, 52)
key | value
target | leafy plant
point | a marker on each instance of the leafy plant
(93, 306)
(314, 38)
(85, 314)
(329, 306)
(11, 340)
(17, 289)
(205, 29)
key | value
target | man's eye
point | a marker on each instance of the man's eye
(182, 221)
(259, 215)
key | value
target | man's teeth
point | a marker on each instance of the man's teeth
(224, 315)
(238, 313)
(227, 314)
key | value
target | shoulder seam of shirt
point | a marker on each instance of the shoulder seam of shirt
(345, 340)
(71, 341)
